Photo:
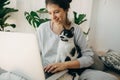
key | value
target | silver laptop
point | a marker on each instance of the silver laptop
(20, 54)
(57, 75)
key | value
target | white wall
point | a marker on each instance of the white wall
(105, 25)
(80, 6)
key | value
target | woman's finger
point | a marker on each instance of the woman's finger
(52, 68)
(55, 70)
(46, 69)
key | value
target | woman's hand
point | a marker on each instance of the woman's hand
(56, 67)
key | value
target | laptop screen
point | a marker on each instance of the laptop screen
(19, 53)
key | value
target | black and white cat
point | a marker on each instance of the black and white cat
(67, 50)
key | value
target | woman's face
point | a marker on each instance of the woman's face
(57, 14)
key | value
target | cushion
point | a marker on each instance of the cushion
(111, 59)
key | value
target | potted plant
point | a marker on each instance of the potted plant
(79, 19)
(34, 17)
(4, 14)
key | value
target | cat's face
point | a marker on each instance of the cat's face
(67, 35)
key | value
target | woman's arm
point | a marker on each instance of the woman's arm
(72, 64)
(87, 55)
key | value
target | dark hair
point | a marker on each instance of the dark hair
(65, 4)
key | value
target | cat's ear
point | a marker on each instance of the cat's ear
(72, 29)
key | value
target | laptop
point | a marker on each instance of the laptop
(20, 54)
(57, 75)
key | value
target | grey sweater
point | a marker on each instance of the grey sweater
(48, 42)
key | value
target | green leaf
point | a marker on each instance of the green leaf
(86, 33)
(42, 10)
(5, 18)
(7, 24)
(5, 11)
(13, 25)
(4, 3)
(79, 18)
(32, 18)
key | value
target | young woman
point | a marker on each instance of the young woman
(48, 34)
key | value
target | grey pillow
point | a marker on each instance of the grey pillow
(112, 60)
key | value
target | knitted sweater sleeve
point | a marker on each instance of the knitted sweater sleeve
(87, 55)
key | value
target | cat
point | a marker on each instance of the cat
(68, 51)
